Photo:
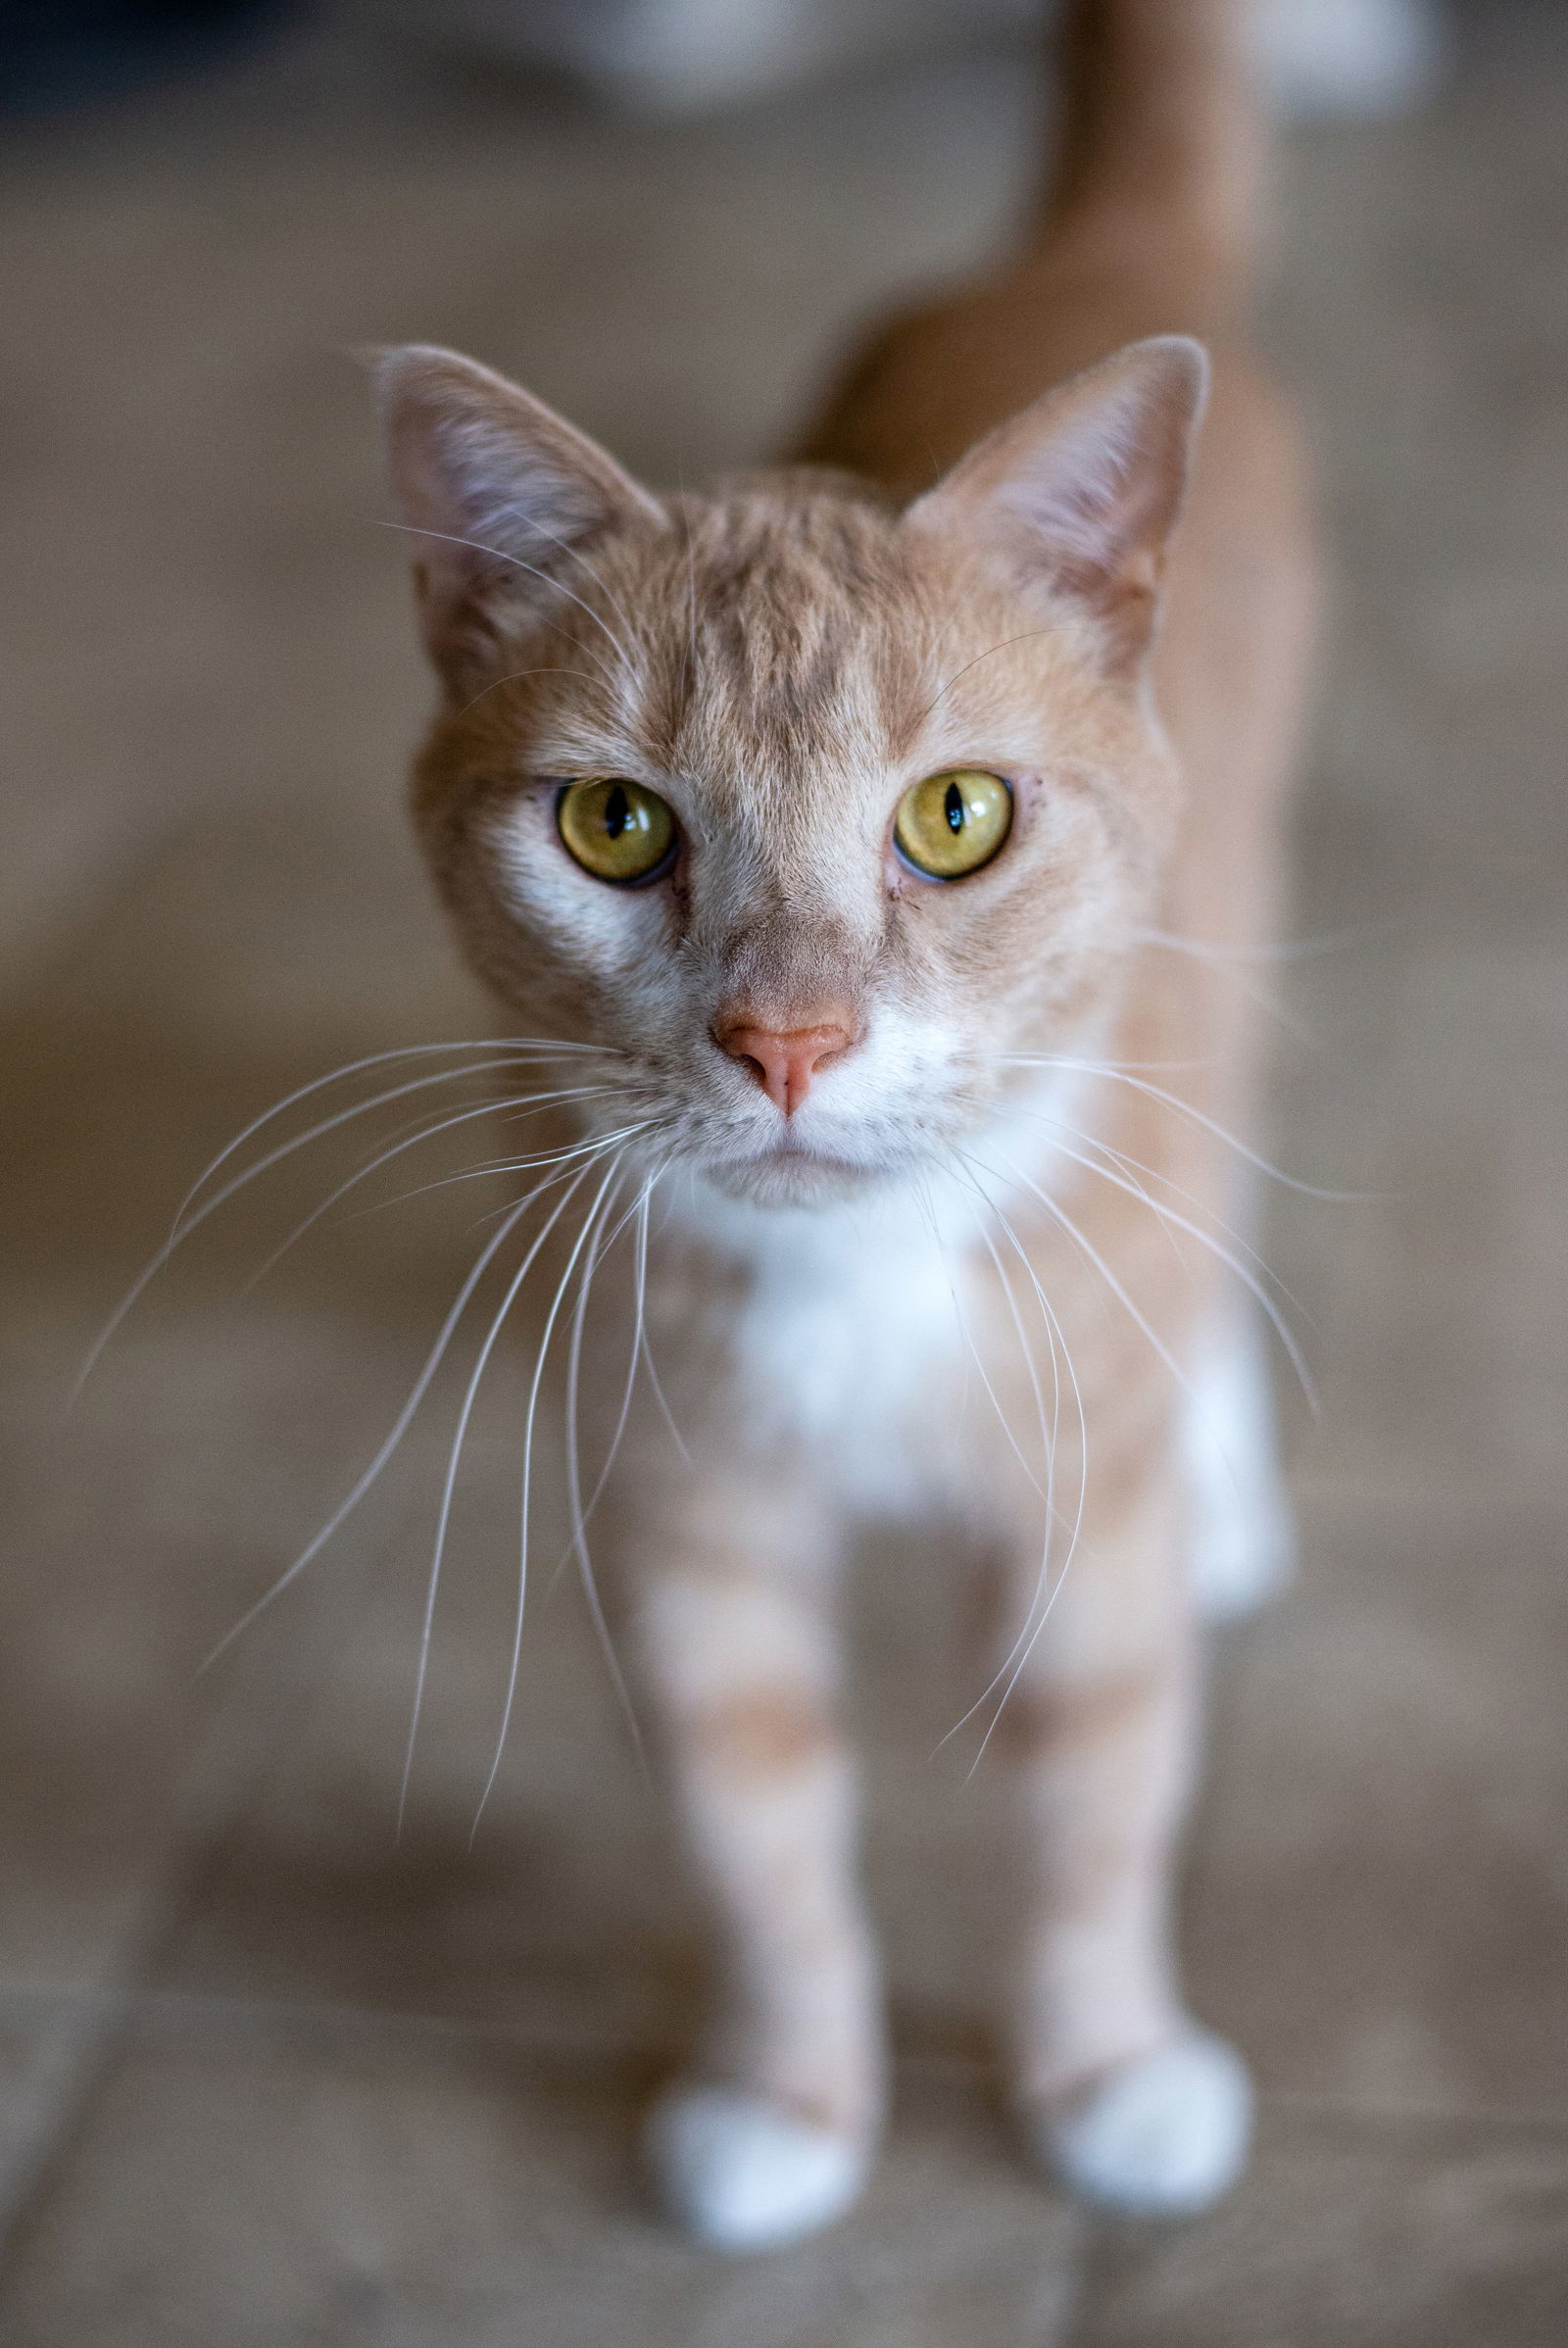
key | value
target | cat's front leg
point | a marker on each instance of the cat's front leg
(735, 1649)
(1123, 2095)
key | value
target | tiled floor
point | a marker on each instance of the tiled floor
(268, 2074)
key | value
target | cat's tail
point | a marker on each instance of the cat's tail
(1161, 144)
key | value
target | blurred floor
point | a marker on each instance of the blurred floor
(268, 2074)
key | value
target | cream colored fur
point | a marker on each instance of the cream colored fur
(967, 1275)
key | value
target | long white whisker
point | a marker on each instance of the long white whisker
(1003, 1419)
(1286, 949)
(519, 1047)
(426, 1133)
(516, 1047)
(1048, 1445)
(1092, 1254)
(188, 1221)
(518, 1165)
(1129, 1166)
(455, 1459)
(1223, 967)
(1233, 1263)
(527, 1479)
(1060, 1215)
(636, 1213)
(516, 676)
(987, 655)
(513, 1103)
(581, 560)
(1185, 1108)
(400, 1427)
(655, 1386)
(498, 555)
(579, 1516)
(1016, 1662)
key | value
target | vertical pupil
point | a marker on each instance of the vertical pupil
(952, 808)
(618, 812)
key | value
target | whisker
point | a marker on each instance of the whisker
(1016, 1659)
(1060, 1214)
(513, 1046)
(518, 1165)
(426, 1133)
(1233, 1263)
(975, 662)
(579, 1520)
(1223, 965)
(498, 555)
(454, 1461)
(1092, 1254)
(637, 1214)
(400, 1427)
(527, 1478)
(1002, 1420)
(1285, 950)
(1049, 1444)
(515, 676)
(186, 1221)
(1185, 1108)
(1124, 1160)
(517, 513)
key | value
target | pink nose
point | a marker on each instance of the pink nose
(783, 1061)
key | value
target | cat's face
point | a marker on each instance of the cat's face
(674, 797)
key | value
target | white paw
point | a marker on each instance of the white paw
(740, 2174)
(1162, 2136)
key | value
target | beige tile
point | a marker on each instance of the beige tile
(1339, 2239)
(49, 2052)
(1430, 1305)
(261, 2180)
(1379, 1906)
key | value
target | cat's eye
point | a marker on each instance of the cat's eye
(616, 829)
(952, 823)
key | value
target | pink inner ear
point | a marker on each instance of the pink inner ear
(1085, 486)
(497, 487)
(1081, 490)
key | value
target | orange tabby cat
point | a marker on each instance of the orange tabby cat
(840, 818)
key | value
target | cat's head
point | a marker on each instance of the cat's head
(817, 812)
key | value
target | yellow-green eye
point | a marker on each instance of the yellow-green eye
(617, 830)
(952, 823)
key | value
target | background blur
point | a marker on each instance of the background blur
(268, 2074)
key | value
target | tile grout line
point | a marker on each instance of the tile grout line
(230, 1762)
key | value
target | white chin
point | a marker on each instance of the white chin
(790, 1178)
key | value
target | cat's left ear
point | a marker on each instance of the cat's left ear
(499, 492)
(1081, 491)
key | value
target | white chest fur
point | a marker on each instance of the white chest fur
(851, 1326)
(854, 1335)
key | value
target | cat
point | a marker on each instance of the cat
(839, 830)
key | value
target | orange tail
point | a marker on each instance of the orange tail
(1162, 139)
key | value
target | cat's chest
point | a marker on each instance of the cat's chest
(847, 1338)
(868, 1337)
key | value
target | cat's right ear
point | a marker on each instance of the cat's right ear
(499, 493)
(1081, 491)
